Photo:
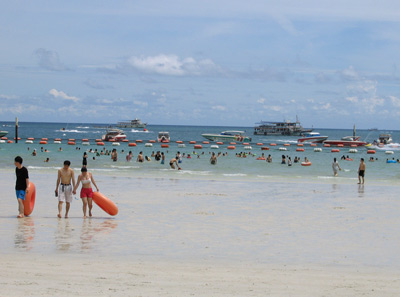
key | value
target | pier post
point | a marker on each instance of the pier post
(16, 130)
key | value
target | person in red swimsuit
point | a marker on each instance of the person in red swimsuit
(86, 192)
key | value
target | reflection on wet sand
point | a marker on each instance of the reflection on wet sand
(24, 234)
(63, 235)
(91, 230)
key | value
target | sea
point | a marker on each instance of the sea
(229, 165)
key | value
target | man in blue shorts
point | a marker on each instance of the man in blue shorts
(21, 185)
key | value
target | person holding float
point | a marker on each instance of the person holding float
(86, 178)
(21, 185)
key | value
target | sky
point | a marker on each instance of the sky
(332, 64)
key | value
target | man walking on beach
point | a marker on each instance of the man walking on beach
(21, 185)
(361, 171)
(64, 190)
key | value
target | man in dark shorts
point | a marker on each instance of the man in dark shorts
(361, 171)
(21, 185)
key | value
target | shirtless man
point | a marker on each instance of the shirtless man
(171, 163)
(64, 189)
(361, 171)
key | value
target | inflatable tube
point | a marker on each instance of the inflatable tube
(219, 143)
(139, 141)
(132, 144)
(299, 150)
(248, 147)
(272, 144)
(198, 146)
(192, 142)
(265, 148)
(231, 147)
(206, 142)
(57, 139)
(246, 143)
(43, 142)
(116, 144)
(152, 141)
(260, 143)
(100, 143)
(305, 163)
(179, 141)
(389, 152)
(300, 144)
(232, 143)
(30, 138)
(286, 144)
(283, 149)
(318, 149)
(179, 145)
(261, 158)
(214, 146)
(105, 204)
(86, 143)
(391, 161)
(45, 139)
(327, 145)
(166, 145)
(371, 152)
(71, 142)
(335, 151)
(125, 140)
(353, 151)
(313, 144)
(349, 159)
(29, 141)
(148, 144)
(340, 145)
(29, 202)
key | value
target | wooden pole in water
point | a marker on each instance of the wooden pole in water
(16, 130)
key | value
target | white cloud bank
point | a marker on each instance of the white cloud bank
(173, 65)
(62, 95)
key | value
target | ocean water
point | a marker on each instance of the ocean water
(228, 167)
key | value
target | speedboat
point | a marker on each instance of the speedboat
(114, 135)
(3, 133)
(228, 136)
(347, 140)
(163, 137)
(314, 137)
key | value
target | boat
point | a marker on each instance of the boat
(228, 136)
(385, 139)
(114, 135)
(136, 123)
(347, 140)
(3, 133)
(280, 128)
(163, 137)
(314, 137)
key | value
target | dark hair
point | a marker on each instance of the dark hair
(84, 169)
(362, 159)
(18, 159)
(66, 162)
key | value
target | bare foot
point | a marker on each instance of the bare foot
(66, 216)
(84, 217)
(90, 213)
(20, 216)
(59, 216)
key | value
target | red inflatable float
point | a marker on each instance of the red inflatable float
(105, 204)
(29, 202)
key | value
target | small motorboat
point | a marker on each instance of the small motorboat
(114, 135)
(314, 137)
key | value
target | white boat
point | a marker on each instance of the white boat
(228, 136)
(314, 137)
(136, 123)
(163, 137)
(3, 133)
(114, 135)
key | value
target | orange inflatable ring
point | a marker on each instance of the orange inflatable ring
(261, 158)
(305, 163)
(29, 202)
(152, 141)
(71, 142)
(300, 144)
(105, 204)
(43, 142)
(100, 143)
(335, 150)
(139, 141)
(371, 152)
(206, 142)
(327, 145)
(179, 141)
(299, 150)
(259, 143)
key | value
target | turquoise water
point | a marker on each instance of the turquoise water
(198, 167)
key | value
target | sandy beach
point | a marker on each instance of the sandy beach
(177, 237)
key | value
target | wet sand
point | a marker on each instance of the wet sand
(177, 237)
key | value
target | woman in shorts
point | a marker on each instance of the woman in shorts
(86, 191)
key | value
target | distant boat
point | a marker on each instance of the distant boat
(114, 135)
(3, 133)
(347, 140)
(163, 137)
(314, 137)
(280, 128)
(136, 123)
(228, 136)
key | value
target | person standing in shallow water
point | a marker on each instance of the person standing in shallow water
(21, 185)
(361, 171)
(335, 167)
(86, 192)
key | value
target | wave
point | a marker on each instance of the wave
(71, 131)
(140, 131)
(234, 174)
(194, 172)
(79, 127)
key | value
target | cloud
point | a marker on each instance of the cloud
(62, 95)
(96, 85)
(395, 101)
(173, 65)
(49, 60)
(218, 107)
(140, 103)
(8, 97)
(261, 100)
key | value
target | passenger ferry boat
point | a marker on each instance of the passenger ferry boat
(136, 123)
(280, 128)
(228, 136)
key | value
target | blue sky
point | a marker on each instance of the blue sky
(233, 63)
